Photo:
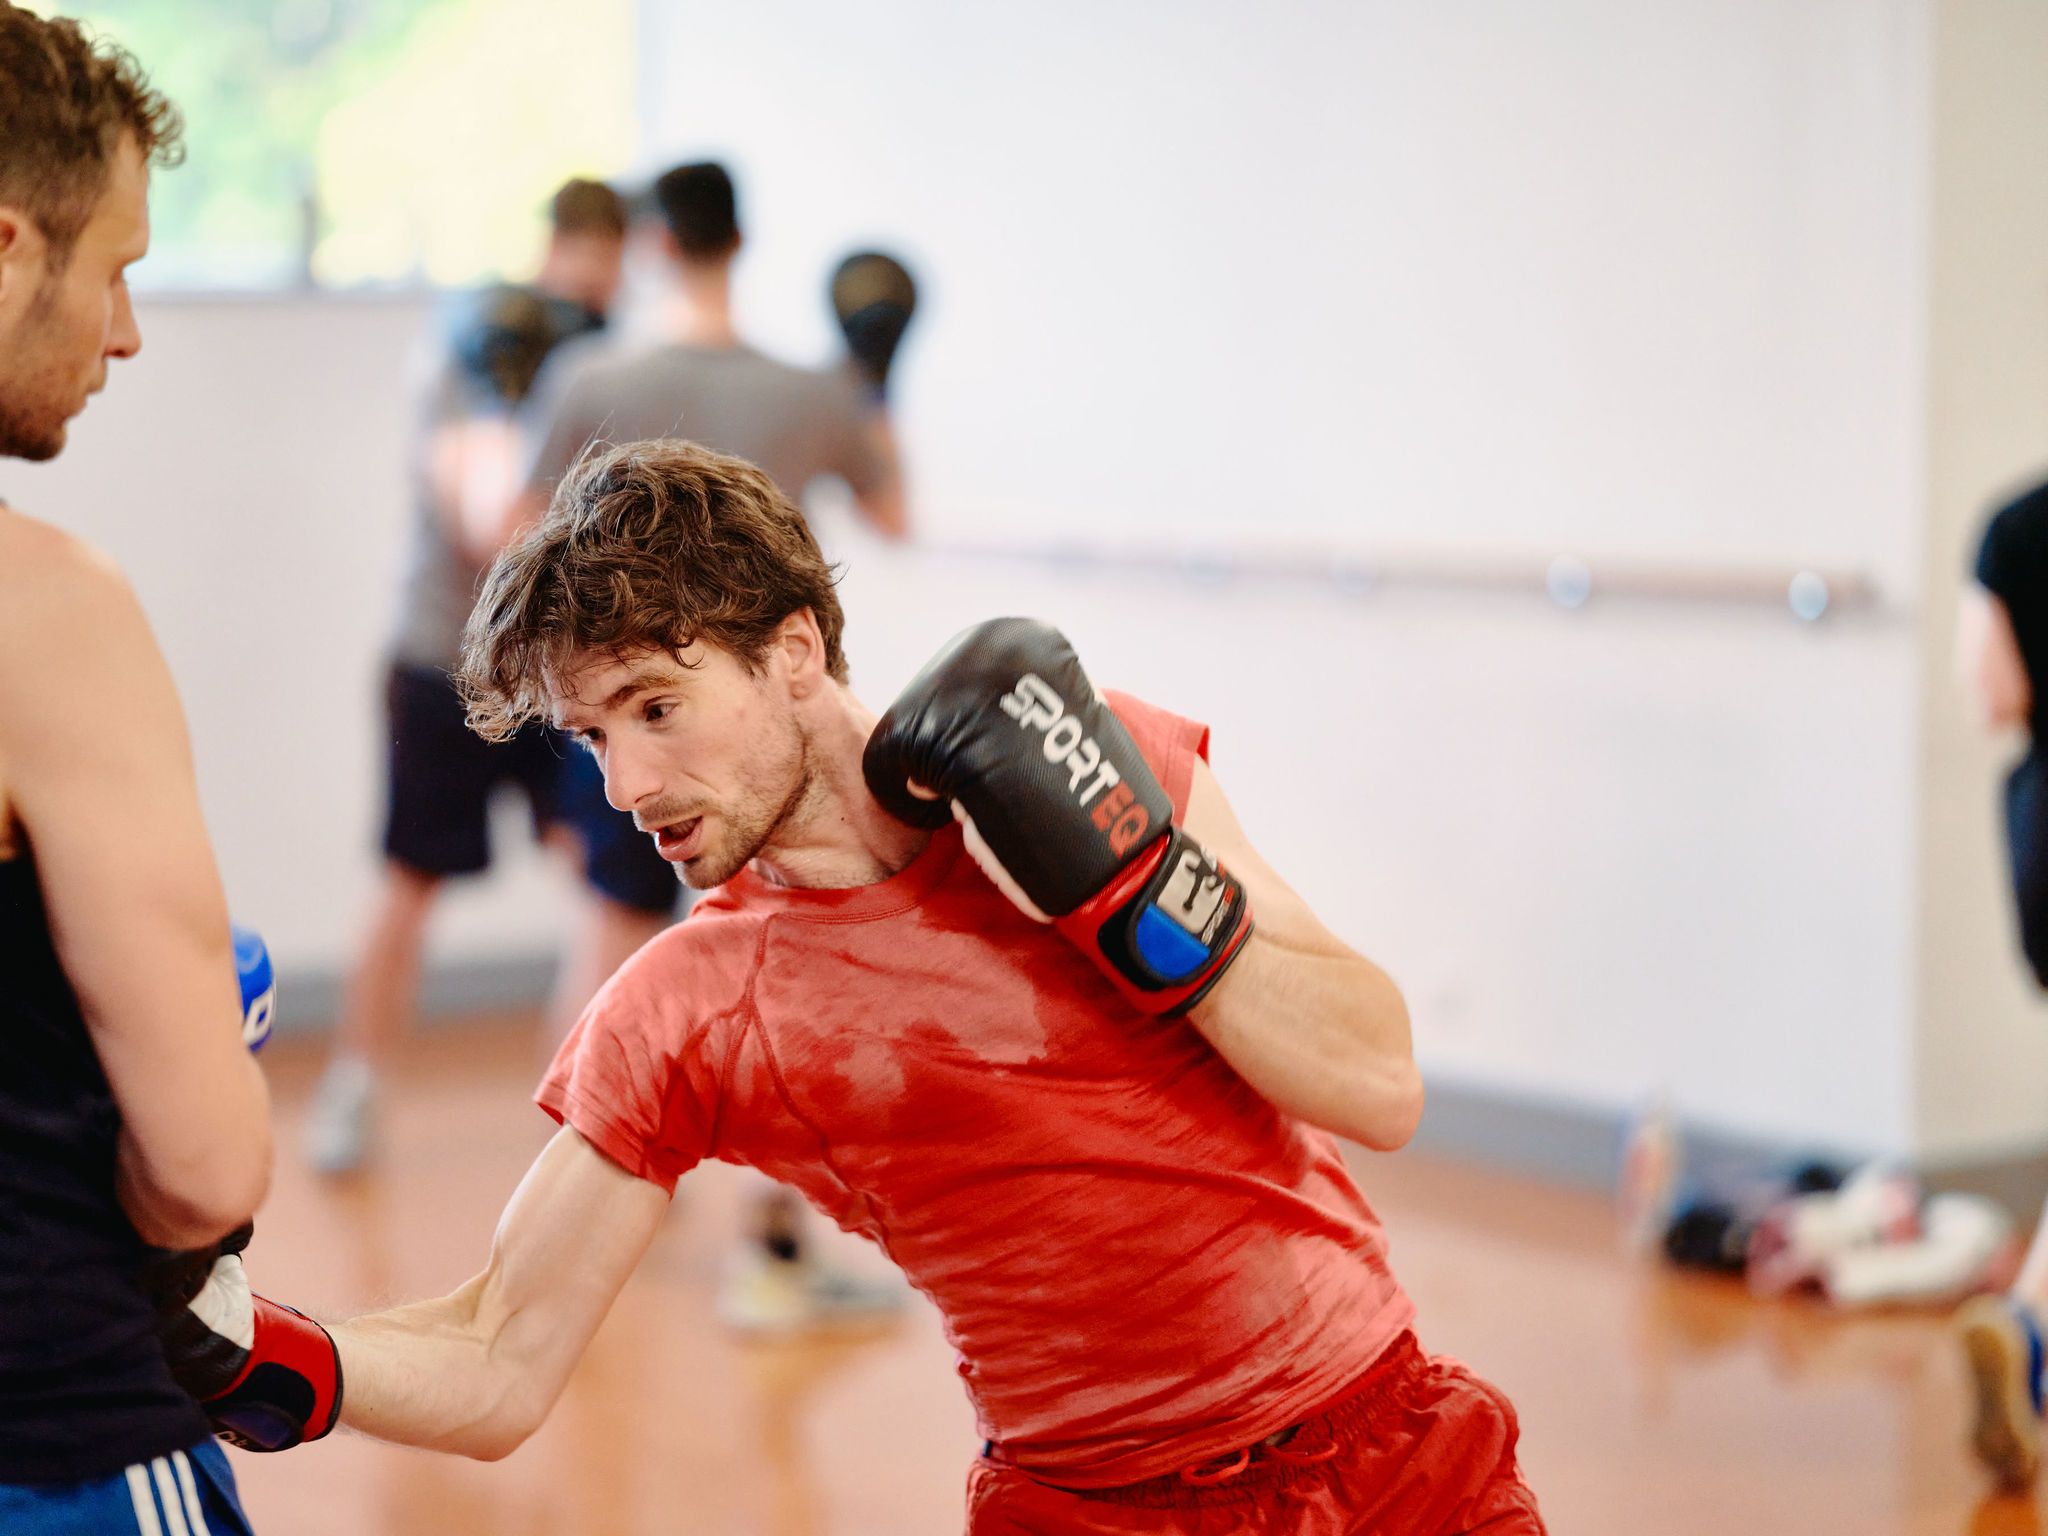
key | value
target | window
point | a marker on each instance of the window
(347, 143)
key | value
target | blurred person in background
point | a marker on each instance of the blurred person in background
(441, 776)
(2002, 650)
(702, 381)
(130, 1114)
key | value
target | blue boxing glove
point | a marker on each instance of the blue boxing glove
(259, 986)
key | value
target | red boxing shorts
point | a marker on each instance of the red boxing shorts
(1418, 1447)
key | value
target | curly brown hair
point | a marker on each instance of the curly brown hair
(67, 100)
(646, 547)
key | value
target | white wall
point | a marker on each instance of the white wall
(1556, 273)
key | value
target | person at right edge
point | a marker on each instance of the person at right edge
(1000, 983)
(2002, 648)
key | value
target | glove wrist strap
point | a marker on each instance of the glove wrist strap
(1167, 927)
(290, 1391)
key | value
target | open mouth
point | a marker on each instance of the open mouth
(680, 840)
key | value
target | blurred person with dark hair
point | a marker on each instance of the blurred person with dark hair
(441, 777)
(1000, 983)
(2002, 652)
(130, 1114)
(703, 382)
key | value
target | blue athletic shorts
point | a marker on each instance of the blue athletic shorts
(442, 773)
(187, 1493)
(619, 859)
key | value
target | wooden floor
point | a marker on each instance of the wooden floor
(1652, 1404)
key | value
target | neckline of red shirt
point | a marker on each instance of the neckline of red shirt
(900, 892)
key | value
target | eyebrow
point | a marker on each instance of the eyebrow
(640, 682)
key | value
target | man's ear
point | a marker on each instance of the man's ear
(803, 652)
(22, 253)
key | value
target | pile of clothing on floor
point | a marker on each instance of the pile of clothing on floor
(1863, 1236)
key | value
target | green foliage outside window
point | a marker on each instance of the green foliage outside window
(352, 142)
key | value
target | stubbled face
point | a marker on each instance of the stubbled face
(709, 757)
(59, 330)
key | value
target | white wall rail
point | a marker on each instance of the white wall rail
(1807, 593)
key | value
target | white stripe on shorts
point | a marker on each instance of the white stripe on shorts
(174, 1517)
(192, 1510)
(144, 1501)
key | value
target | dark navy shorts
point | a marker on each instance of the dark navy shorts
(442, 777)
(619, 859)
(187, 1493)
(2026, 831)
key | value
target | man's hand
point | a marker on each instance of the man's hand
(268, 1376)
(1005, 731)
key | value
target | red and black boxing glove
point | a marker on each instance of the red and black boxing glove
(268, 1376)
(1004, 728)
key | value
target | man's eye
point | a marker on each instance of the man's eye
(658, 712)
(589, 741)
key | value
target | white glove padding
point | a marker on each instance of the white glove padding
(208, 1343)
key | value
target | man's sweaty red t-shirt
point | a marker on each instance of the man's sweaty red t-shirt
(1142, 1262)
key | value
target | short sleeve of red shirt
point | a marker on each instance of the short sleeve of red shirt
(638, 1076)
(1168, 743)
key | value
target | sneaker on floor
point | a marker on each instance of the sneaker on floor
(769, 1296)
(340, 1120)
(1965, 1246)
(1800, 1237)
(2002, 1348)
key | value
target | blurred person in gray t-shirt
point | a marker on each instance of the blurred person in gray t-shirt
(704, 383)
(440, 775)
(701, 381)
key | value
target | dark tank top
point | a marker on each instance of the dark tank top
(84, 1390)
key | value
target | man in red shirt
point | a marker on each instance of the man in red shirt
(998, 982)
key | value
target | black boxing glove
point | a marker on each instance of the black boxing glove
(503, 336)
(873, 299)
(1004, 728)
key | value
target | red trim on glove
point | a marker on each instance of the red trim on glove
(1085, 924)
(290, 1389)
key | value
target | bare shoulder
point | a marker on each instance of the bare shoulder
(56, 594)
(31, 549)
(71, 629)
(54, 585)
